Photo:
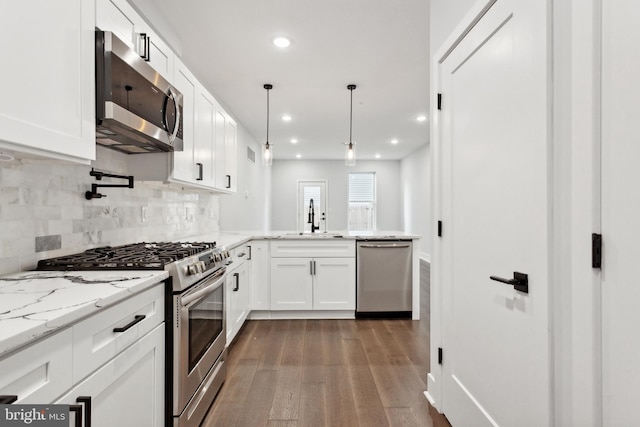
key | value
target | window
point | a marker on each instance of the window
(362, 201)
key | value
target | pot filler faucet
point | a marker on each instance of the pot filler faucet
(312, 218)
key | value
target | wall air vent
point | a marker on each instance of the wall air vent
(251, 155)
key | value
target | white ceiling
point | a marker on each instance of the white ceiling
(382, 46)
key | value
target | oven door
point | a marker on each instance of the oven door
(200, 336)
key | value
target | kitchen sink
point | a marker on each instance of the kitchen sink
(309, 235)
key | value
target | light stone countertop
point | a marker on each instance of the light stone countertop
(37, 303)
(233, 239)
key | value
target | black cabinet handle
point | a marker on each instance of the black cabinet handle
(146, 53)
(520, 281)
(249, 257)
(137, 319)
(87, 409)
(237, 277)
(228, 181)
(78, 410)
(7, 399)
(200, 172)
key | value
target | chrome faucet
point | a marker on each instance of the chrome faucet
(312, 218)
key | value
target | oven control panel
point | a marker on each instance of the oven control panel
(204, 263)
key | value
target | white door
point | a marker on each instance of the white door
(308, 191)
(620, 212)
(495, 213)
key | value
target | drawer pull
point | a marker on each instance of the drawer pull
(137, 319)
(7, 399)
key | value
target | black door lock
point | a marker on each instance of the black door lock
(520, 281)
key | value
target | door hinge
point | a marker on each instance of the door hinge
(439, 355)
(439, 228)
(596, 250)
(439, 101)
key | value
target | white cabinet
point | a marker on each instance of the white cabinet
(116, 358)
(225, 151)
(260, 289)
(237, 291)
(121, 18)
(291, 284)
(129, 389)
(47, 107)
(208, 158)
(322, 278)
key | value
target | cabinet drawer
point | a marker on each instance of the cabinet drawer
(313, 248)
(94, 340)
(39, 373)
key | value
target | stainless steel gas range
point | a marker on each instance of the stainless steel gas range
(195, 315)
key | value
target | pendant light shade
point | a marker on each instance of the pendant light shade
(267, 147)
(350, 147)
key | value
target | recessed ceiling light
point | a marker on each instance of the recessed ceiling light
(282, 42)
(298, 156)
(394, 141)
(377, 156)
(286, 118)
(421, 118)
(294, 141)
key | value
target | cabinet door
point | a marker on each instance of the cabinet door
(128, 390)
(259, 275)
(334, 286)
(205, 138)
(159, 55)
(48, 80)
(291, 284)
(184, 167)
(237, 291)
(230, 155)
(220, 124)
(120, 18)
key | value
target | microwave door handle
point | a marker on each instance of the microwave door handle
(177, 125)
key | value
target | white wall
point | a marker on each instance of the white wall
(287, 173)
(415, 177)
(249, 209)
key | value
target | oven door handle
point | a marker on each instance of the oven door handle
(203, 290)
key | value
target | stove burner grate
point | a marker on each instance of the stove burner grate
(137, 256)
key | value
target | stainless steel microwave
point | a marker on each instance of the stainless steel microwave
(137, 110)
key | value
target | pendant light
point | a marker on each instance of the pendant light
(350, 152)
(267, 148)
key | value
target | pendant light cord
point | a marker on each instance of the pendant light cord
(351, 88)
(268, 87)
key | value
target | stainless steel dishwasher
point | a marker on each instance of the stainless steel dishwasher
(384, 276)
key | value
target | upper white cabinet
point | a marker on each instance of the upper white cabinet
(47, 107)
(121, 18)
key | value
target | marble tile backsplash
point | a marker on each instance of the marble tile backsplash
(44, 213)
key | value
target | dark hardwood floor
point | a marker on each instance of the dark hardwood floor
(300, 373)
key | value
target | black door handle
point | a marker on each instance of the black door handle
(7, 399)
(237, 277)
(87, 409)
(520, 281)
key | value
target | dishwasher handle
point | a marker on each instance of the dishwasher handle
(394, 245)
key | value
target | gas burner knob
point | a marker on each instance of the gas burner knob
(201, 266)
(192, 269)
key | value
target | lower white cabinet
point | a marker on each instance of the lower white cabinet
(237, 291)
(313, 284)
(259, 272)
(114, 358)
(129, 389)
